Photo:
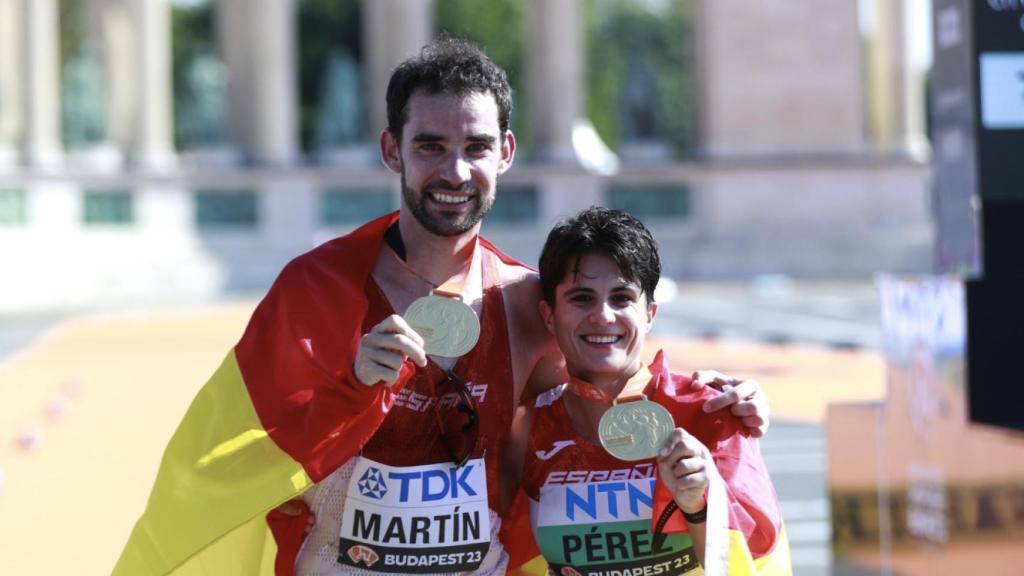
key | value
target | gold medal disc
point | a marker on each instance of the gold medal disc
(635, 430)
(449, 327)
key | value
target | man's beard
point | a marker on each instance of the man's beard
(446, 223)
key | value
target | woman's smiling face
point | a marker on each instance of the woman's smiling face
(600, 320)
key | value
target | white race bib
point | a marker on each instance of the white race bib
(604, 529)
(416, 519)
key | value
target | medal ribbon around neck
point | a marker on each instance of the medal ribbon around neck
(448, 325)
(631, 391)
(633, 427)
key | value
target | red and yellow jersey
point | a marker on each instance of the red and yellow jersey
(486, 371)
(282, 412)
(403, 504)
(593, 513)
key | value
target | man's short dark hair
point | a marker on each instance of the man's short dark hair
(447, 66)
(599, 230)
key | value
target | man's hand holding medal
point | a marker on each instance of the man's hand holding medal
(439, 324)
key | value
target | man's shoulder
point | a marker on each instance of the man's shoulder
(345, 259)
(511, 272)
(329, 259)
(503, 258)
(519, 282)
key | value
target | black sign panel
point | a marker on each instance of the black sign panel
(995, 329)
(999, 73)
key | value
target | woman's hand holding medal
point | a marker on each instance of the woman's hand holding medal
(384, 349)
(683, 464)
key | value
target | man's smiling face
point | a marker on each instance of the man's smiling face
(450, 156)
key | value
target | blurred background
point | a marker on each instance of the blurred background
(161, 160)
(169, 150)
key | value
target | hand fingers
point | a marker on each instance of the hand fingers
(754, 420)
(674, 438)
(728, 397)
(395, 324)
(746, 389)
(683, 468)
(756, 427)
(733, 392)
(690, 450)
(702, 378)
(377, 365)
(753, 411)
(686, 477)
(377, 345)
(689, 489)
(680, 444)
(371, 373)
(384, 349)
(747, 408)
(687, 466)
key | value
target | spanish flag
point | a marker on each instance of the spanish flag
(282, 412)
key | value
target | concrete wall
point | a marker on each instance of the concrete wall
(839, 221)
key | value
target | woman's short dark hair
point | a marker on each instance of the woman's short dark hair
(447, 66)
(599, 230)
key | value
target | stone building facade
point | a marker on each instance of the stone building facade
(809, 159)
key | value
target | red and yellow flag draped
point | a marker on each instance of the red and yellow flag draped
(755, 542)
(282, 412)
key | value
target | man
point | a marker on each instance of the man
(331, 389)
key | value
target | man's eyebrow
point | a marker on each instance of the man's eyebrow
(486, 138)
(428, 137)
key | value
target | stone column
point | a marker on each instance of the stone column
(554, 63)
(895, 82)
(257, 40)
(10, 81)
(41, 96)
(232, 35)
(115, 36)
(393, 30)
(154, 125)
(275, 78)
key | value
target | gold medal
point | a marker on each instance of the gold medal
(635, 430)
(448, 326)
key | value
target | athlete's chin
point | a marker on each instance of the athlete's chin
(608, 367)
(451, 228)
(451, 224)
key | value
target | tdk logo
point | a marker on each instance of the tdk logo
(433, 484)
(371, 484)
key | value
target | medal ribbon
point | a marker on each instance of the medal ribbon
(448, 324)
(633, 390)
(452, 288)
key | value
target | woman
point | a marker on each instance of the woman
(618, 486)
